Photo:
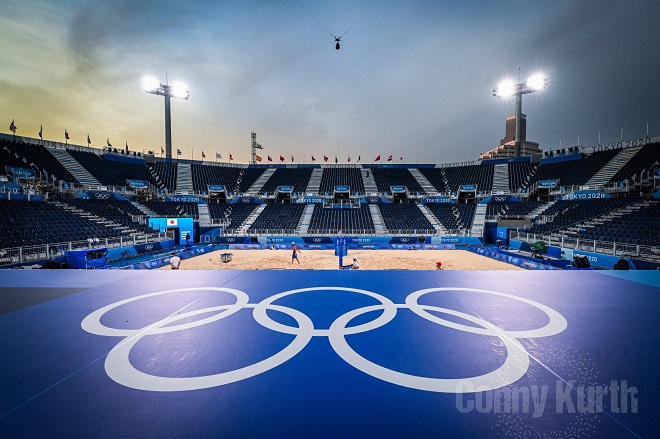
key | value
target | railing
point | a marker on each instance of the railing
(19, 255)
(643, 252)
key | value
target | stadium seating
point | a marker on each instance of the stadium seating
(348, 221)
(520, 174)
(235, 214)
(405, 218)
(646, 159)
(110, 172)
(456, 218)
(27, 223)
(574, 172)
(31, 156)
(228, 176)
(164, 173)
(450, 178)
(351, 177)
(386, 177)
(296, 177)
(278, 218)
(167, 209)
(566, 213)
(120, 212)
(511, 210)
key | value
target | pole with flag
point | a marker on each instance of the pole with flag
(89, 141)
(162, 150)
(41, 133)
(231, 157)
(66, 137)
(291, 158)
(107, 140)
(217, 156)
(203, 155)
(13, 128)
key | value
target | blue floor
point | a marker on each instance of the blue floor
(325, 354)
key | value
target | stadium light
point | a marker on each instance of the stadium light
(509, 88)
(176, 90)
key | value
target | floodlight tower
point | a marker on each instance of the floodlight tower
(255, 147)
(509, 88)
(176, 90)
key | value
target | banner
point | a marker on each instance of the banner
(437, 200)
(585, 195)
(138, 184)
(185, 199)
(216, 187)
(468, 187)
(20, 172)
(341, 188)
(398, 189)
(548, 183)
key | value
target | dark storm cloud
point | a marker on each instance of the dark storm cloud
(605, 59)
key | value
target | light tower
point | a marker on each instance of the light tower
(176, 90)
(255, 147)
(509, 88)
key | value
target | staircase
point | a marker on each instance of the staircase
(305, 219)
(315, 181)
(204, 216)
(369, 183)
(76, 169)
(150, 213)
(377, 218)
(607, 172)
(184, 184)
(423, 182)
(250, 219)
(255, 189)
(536, 212)
(501, 178)
(479, 221)
(439, 229)
(94, 218)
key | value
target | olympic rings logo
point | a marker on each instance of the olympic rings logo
(149, 247)
(373, 200)
(317, 239)
(404, 239)
(500, 199)
(119, 368)
(101, 196)
(230, 239)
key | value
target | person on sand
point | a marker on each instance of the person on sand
(354, 266)
(295, 250)
(175, 261)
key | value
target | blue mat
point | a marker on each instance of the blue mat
(328, 354)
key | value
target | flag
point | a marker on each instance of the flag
(358, 159)
(66, 135)
(281, 158)
(325, 158)
(178, 151)
(218, 155)
(231, 157)
(389, 159)
(335, 159)
(172, 221)
(107, 140)
(12, 127)
(88, 140)
(162, 150)
(313, 159)
(41, 132)
(377, 158)
(349, 159)
(203, 155)
(127, 147)
(291, 158)
(270, 159)
(401, 158)
(257, 158)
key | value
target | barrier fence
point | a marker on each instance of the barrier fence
(642, 252)
(20, 255)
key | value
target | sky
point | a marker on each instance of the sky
(412, 79)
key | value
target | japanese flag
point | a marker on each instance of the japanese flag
(172, 221)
